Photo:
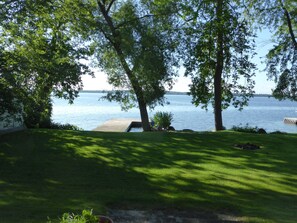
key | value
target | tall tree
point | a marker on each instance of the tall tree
(134, 50)
(281, 61)
(41, 57)
(219, 47)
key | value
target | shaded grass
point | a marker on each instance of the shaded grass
(48, 172)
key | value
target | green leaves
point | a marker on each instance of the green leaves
(87, 216)
(162, 120)
(218, 48)
(41, 56)
(281, 61)
(201, 49)
(135, 50)
(286, 86)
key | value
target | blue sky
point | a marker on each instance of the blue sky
(263, 86)
(263, 44)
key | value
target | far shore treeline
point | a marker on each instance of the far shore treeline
(167, 92)
(142, 45)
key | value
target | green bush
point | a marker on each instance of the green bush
(162, 120)
(54, 125)
(86, 217)
(246, 128)
(278, 132)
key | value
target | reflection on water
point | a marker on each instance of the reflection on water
(88, 112)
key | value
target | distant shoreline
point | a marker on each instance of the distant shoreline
(168, 93)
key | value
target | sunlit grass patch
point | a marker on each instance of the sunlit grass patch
(49, 172)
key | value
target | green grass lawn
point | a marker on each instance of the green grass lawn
(48, 172)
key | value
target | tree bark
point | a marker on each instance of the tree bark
(219, 69)
(144, 116)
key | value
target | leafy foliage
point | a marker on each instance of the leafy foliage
(8, 94)
(249, 129)
(218, 49)
(281, 61)
(162, 120)
(201, 61)
(39, 56)
(246, 129)
(286, 86)
(86, 217)
(132, 46)
(54, 125)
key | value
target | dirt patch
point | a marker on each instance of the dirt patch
(169, 216)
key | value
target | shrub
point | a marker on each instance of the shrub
(54, 125)
(86, 217)
(246, 129)
(278, 132)
(162, 120)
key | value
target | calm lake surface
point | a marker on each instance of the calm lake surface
(88, 112)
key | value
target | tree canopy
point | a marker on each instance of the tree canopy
(219, 47)
(133, 48)
(139, 44)
(281, 61)
(39, 57)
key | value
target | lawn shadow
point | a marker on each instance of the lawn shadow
(45, 173)
(45, 176)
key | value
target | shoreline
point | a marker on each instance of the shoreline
(167, 93)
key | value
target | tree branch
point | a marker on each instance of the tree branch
(110, 5)
(289, 23)
(107, 18)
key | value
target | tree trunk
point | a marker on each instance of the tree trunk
(115, 41)
(144, 116)
(139, 94)
(219, 69)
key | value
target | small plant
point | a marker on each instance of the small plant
(162, 120)
(86, 217)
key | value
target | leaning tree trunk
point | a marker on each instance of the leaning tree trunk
(139, 94)
(144, 116)
(116, 42)
(219, 69)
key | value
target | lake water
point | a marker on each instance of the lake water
(88, 112)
